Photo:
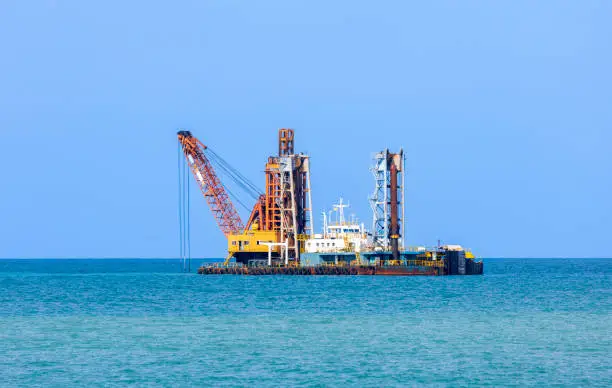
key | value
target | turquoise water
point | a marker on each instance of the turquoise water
(119, 322)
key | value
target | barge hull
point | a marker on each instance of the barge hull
(322, 271)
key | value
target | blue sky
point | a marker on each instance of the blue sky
(504, 110)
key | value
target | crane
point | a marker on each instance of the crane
(281, 216)
(213, 190)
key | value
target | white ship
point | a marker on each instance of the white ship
(339, 235)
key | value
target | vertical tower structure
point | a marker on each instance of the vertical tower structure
(288, 200)
(286, 142)
(387, 201)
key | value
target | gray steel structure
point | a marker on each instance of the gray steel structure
(380, 201)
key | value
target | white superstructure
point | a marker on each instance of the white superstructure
(339, 236)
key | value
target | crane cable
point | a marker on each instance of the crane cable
(236, 198)
(249, 187)
(180, 205)
(239, 178)
(184, 212)
(188, 218)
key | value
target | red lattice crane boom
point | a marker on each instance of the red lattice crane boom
(213, 190)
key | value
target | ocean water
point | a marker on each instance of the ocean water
(527, 322)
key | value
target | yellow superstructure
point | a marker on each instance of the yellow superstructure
(252, 241)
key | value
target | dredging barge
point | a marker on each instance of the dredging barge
(278, 237)
(413, 264)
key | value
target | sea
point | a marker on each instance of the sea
(145, 322)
